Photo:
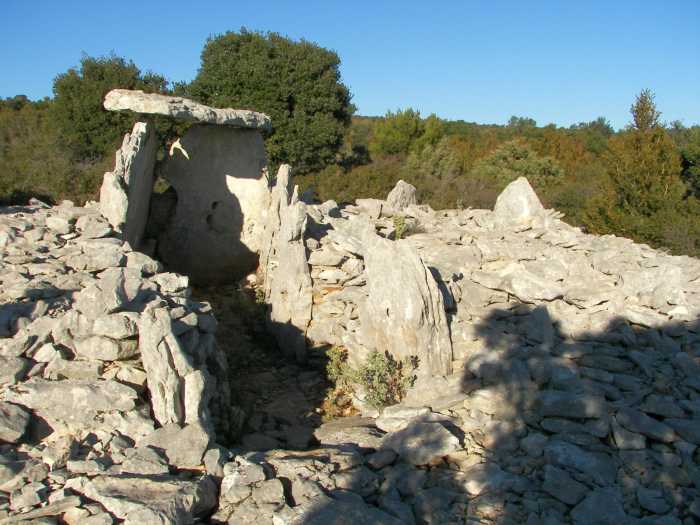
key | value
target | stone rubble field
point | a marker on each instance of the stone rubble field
(558, 378)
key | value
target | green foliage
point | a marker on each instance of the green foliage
(515, 159)
(384, 379)
(644, 168)
(32, 161)
(296, 83)
(521, 123)
(433, 170)
(433, 131)
(645, 116)
(644, 196)
(399, 227)
(87, 131)
(687, 141)
(397, 132)
(337, 367)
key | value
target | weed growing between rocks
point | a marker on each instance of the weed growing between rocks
(381, 381)
(399, 227)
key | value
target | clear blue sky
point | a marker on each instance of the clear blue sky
(554, 61)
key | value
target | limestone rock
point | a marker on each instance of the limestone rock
(518, 203)
(182, 109)
(421, 442)
(220, 177)
(405, 313)
(289, 280)
(184, 447)
(143, 499)
(126, 192)
(73, 402)
(401, 196)
(13, 422)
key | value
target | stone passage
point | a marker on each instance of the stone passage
(218, 171)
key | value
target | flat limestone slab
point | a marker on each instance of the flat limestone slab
(183, 109)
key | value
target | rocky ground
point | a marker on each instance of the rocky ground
(572, 392)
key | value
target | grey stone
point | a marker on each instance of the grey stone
(626, 440)
(640, 423)
(288, 281)
(405, 314)
(182, 109)
(381, 459)
(73, 402)
(12, 369)
(688, 429)
(184, 447)
(99, 348)
(220, 177)
(13, 422)
(422, 442)
(143, 499)
(598, 466)
(562, 486)
(569, 404)
(601, 507)
(518, 203)
(652, 500)
(126, 192)
(401, 196)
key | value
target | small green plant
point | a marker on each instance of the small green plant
(259, 296)
(385, 379)
(337, 366)
(338, 401)
(400, 227)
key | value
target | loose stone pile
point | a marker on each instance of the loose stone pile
(559, 370)
(558, 377)
(99, 347)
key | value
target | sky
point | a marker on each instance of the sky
(558, 62)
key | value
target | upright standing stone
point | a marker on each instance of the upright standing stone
(126, 192)
(402, 196)
(518, 204)
(288, 277)
(404, 312)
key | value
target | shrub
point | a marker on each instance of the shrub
(384, 379)
(515, 159)
(396, 133)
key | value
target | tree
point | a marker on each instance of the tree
(644, 113)
(644, 186)
(521, 123)
(515, 159)
(86, 129)
(397, 132)
(296, 83)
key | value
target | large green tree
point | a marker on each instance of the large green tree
(645, 195)
(296, 83)
(87, 131)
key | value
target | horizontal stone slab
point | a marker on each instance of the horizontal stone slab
(183, 109)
